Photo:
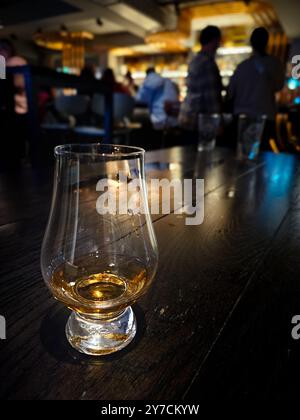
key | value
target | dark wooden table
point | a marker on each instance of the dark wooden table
(216, 323)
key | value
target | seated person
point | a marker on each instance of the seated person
(108, 77)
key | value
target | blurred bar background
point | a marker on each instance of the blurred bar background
(65, 47)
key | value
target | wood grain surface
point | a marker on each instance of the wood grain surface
(217, 320)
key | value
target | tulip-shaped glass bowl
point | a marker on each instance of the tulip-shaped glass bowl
(99, 253)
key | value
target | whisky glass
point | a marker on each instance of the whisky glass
(208, 129)
(99, 253)
(250, 134)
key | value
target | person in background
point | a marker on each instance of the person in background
(14, 124)
(253, 86)
(129, 83)
(88, 75)
(7, 50)
(108, 77)
(156, 92)
(204, 84)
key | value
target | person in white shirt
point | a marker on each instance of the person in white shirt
(256, 81)
(156, 92)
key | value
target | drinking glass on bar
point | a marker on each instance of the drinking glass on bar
(250, 132)
(99, 253)
(208, 128)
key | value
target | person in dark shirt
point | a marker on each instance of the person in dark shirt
(204, 85)
(253, 86)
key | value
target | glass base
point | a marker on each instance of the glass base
(98, 337)
(206, 146)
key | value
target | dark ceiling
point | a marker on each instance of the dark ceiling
(19, 16)
(13, 12)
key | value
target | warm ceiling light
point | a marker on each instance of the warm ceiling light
(168, 41)
(235, 50)
(72, 45)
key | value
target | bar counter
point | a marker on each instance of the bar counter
(217, 321)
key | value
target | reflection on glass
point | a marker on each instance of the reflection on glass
(250, 132)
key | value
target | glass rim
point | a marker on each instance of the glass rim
(210, 115)
(116, 150)
(261, 117)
